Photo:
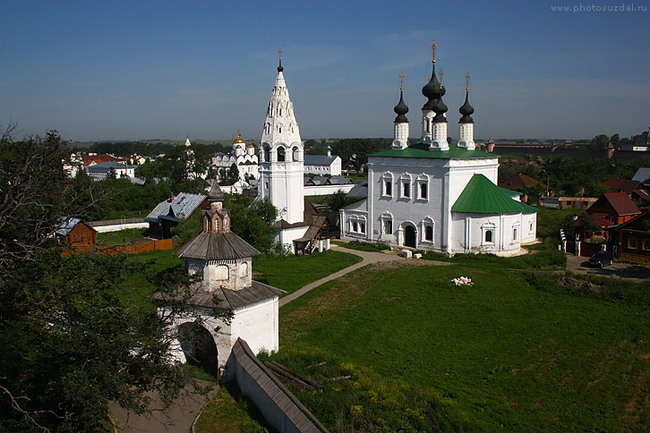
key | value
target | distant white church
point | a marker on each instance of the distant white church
(242, 155)
(434, 196)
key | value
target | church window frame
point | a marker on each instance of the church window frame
(357, 225)
(295, 154)
(488, 234)
(387, 185)
(422, 187)
(427, 230)
(387, 224)
(221, 273)
(266, 152)
(280, 154)
(406, 186)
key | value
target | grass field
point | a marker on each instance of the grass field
(514, 352)
(290, 273)
(122, 237)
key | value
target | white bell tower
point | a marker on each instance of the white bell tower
(282, 155)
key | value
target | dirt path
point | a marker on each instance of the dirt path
(635, 272)
(176, 419)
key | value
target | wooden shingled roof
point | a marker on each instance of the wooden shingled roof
(235, 299)
(217, 246)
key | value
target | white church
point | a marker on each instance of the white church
(430, 195)
(242, 155)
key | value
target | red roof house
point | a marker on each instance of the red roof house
(613, 208)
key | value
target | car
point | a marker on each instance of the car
(600, 259)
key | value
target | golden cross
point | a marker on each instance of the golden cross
(401, 80)
(433, 48)
(467, 77)
(238, 133)
(280, 53)
(440, 74)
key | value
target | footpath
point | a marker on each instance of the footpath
(368, 259)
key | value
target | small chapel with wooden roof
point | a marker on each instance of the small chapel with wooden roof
(223, 260)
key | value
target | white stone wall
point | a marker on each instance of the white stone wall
(471, 233)
(327, 189)
(258, 325)
(234, 275)
(334, 169)
(287, 236)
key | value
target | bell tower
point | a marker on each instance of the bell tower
(282, 155)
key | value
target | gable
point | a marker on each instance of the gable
(482, 196)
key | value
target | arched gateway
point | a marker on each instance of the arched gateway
(224, 261)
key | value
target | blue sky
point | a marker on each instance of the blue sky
(130, 70)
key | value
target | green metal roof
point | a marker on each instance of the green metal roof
(482, 196)
(421, 150)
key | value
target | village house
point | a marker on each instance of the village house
(632, 238)
(612, 208)
(75, 232)
(168, 213)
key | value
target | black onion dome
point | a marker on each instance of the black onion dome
(440, 109)
(280, 68)
(431, 90)
(466, 110)
(401, 109)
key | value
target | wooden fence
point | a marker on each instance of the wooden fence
(140, 247)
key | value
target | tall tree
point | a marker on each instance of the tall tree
(73, 336)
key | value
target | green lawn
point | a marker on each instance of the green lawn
(290, 273)
(514, 352)
(122, 237)
(232, 413)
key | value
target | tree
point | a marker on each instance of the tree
(253, 220)
(73, 333)
(354, 151)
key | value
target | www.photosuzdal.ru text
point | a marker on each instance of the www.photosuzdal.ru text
(623, 7)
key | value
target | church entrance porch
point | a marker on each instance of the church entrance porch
(198, 346)
(410, 236)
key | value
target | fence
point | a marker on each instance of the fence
(278, 406)
(140, 247)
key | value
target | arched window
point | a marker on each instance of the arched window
(243, 270)
(221, 273)
(405, 183)
(387, 185)
(428, 233)
(267, 153)
(296, 154)
(488, 236)
(280, 154)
